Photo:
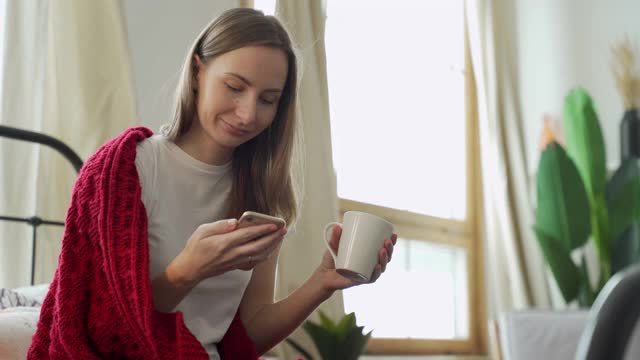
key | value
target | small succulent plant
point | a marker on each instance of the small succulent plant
(343, 340)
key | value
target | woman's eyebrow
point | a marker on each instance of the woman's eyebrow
(249, 83)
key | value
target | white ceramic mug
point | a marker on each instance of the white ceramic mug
(363, 236)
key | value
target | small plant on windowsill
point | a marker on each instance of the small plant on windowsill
(343, 340)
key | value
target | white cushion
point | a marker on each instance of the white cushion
(36, 292)
(537, 334)
(18, 326)
(548, 335)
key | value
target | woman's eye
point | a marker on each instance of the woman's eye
(233, 89)
(268, 101)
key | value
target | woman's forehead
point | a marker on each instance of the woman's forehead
(260, 66)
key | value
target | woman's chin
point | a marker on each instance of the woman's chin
(232, 143)
(224, 141)
(228, 140)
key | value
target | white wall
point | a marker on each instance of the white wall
(566, 43)
(159, 34)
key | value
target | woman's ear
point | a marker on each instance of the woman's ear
(198, 62)
(197, 68)
(198, 65)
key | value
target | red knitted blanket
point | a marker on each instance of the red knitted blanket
(100, 303)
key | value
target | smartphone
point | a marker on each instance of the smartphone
(251, 218)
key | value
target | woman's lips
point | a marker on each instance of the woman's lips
(233, 130)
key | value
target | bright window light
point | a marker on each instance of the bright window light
(268, 7)
(396, 88)
(422, 294)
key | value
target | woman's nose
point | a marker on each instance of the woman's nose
(246, 109)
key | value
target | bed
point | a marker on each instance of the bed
(20, 307)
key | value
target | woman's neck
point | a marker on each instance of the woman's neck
(202, 147)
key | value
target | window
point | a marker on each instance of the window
(403, 139)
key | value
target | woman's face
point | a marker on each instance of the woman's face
(238, 94)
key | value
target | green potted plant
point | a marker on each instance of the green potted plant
(343, 340)
(576, 203)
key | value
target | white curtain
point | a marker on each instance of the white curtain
(23, 78)
(82, 95)
(302, 252)
(516, 275)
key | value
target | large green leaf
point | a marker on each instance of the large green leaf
(586, 295)
(297, 347)
(601, 235)
(354, 344)
(624, 209)
(623, 197)
(628, 169)
(623, 203)
(626, 250)
(564, 270)
(325, 341)
(585, 143)
(563, 210)
(327, 323)
(346, 324)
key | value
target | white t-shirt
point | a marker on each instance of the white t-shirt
(179, 194)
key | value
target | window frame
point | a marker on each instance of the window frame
(466, 234)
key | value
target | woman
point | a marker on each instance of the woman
(229, 150)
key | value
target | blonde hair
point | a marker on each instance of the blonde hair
(263, 178)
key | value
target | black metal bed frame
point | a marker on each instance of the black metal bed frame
(64, 150)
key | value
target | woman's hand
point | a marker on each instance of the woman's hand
(332, 281)
(219, 247)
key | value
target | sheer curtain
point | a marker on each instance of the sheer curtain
(3, 24)
(22, 105)
(66, 73)
(302, 252)
(516, 273)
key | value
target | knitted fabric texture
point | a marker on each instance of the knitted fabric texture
(100, 303)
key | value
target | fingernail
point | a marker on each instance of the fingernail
(231, 222)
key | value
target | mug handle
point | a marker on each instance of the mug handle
(330, 226)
